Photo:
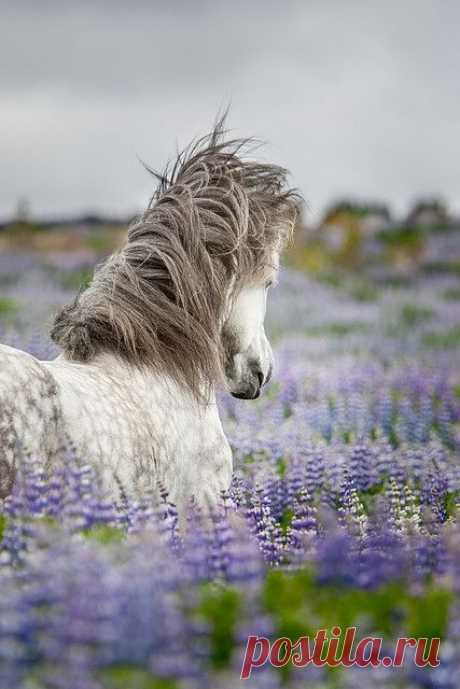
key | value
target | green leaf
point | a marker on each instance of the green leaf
(413, 314)
(448, 339)
(132, 677)
(8, 306)
(286, 519)
(428, 613)
(3, 522)
(220, 607)
(451, 502)
(104, 534)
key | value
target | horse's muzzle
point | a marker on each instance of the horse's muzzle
(250, 390)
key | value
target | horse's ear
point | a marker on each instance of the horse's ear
(73, 334)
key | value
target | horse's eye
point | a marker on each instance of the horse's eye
(268, 284)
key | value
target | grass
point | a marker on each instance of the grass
(408, 317)
(104, 240)
(7, 279)
(75, 279)
(220, 608)
(105, 535)
(2, 526)
(132, 677)
(446, 340)
(443, 267)
(338, 329)
(452, 294)
(359, 289)
(300, 606)
(412, 314)
(8, 307)
(363, 292)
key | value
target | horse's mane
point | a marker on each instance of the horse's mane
(215, 218)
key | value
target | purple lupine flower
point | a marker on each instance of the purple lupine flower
(360, 468)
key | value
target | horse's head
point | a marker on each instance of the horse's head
(186, 296)
(248, 354)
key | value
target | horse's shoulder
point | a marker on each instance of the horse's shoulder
(12, 355)
(21, 371)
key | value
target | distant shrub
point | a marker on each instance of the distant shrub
(23, 226)
(407, 236)
(311, 257)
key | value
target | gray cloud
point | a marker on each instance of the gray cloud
(356, 98)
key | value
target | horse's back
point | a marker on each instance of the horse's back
(29, 412)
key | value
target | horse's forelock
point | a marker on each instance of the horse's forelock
(159, 302)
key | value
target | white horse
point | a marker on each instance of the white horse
(166, 321)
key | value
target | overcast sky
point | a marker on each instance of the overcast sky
(356, 98)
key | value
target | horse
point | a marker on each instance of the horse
(167, 321)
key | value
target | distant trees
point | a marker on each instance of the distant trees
(349, 228)
(428, 212)
(353, 233)
(355, 209)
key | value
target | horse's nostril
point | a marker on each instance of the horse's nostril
(260, 377)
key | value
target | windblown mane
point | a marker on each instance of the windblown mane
(214, 220)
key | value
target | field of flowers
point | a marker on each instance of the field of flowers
(343, 509)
